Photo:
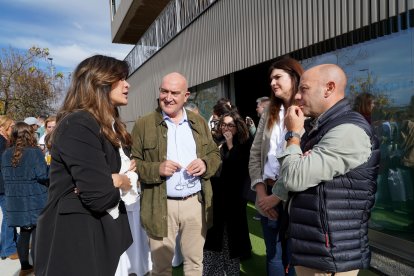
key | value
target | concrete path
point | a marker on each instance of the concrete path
(9, 267)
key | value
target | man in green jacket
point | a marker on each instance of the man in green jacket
(176, 156)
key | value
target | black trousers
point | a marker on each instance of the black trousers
(23, 246)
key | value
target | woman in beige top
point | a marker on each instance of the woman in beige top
(284, 76)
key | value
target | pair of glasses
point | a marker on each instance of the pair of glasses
(180, 186)
(189, 181)
(224, 125)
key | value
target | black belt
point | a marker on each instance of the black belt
(182, 197)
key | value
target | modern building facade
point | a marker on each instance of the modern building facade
(224, 48)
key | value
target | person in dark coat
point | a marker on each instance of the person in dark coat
(84, 228)
(228, 240)
(25, 177)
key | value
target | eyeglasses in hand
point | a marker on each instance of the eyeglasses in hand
(189, 181)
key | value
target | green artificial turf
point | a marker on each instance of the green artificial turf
(256, 265)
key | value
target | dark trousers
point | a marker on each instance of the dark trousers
(23, 246)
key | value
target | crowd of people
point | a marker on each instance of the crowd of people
(90, 198)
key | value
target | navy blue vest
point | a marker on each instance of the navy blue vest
(329, 222)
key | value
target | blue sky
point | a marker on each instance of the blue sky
(72, 30)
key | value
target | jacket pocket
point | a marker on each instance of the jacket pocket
(150, 149)
(72, 206)
(150, 144)
(323, 215)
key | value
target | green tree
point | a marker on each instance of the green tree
(25, 89)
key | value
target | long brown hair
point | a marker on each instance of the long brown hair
(22, 136)
(48, 135)
(295, 71)
(363, 103)
(50, 119)
(89, 90)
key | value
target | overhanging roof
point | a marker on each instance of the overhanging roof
(132, 19)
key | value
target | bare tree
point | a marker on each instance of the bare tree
(25, 89)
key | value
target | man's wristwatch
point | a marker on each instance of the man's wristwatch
(290, 134)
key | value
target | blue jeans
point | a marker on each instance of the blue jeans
(274, 262)
(8, 234)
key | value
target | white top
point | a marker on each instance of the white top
(42, 139)
(132, 195)
(277, 140)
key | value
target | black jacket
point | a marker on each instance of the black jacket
(75, 234)
(329, 222)
(229, 204)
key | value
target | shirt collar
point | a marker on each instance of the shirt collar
(168, 118)
(326, 116)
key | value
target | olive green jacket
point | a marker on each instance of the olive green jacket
(149, 149)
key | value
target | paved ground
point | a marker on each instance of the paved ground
(9, 267)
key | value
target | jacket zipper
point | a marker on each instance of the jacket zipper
(290, 200)
(322, 207)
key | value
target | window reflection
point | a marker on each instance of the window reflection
(378, 68)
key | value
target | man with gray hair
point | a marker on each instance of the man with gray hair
(176, 156)
(192, 107)
(262, 103)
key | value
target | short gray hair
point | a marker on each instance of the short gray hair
(262, 99)
(190, 106)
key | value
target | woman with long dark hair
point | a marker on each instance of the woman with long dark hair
(284, 76)
(25, 176)
(84, 228)
(364, 104)
(228, 240)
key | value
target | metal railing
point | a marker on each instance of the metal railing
(172, 20)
